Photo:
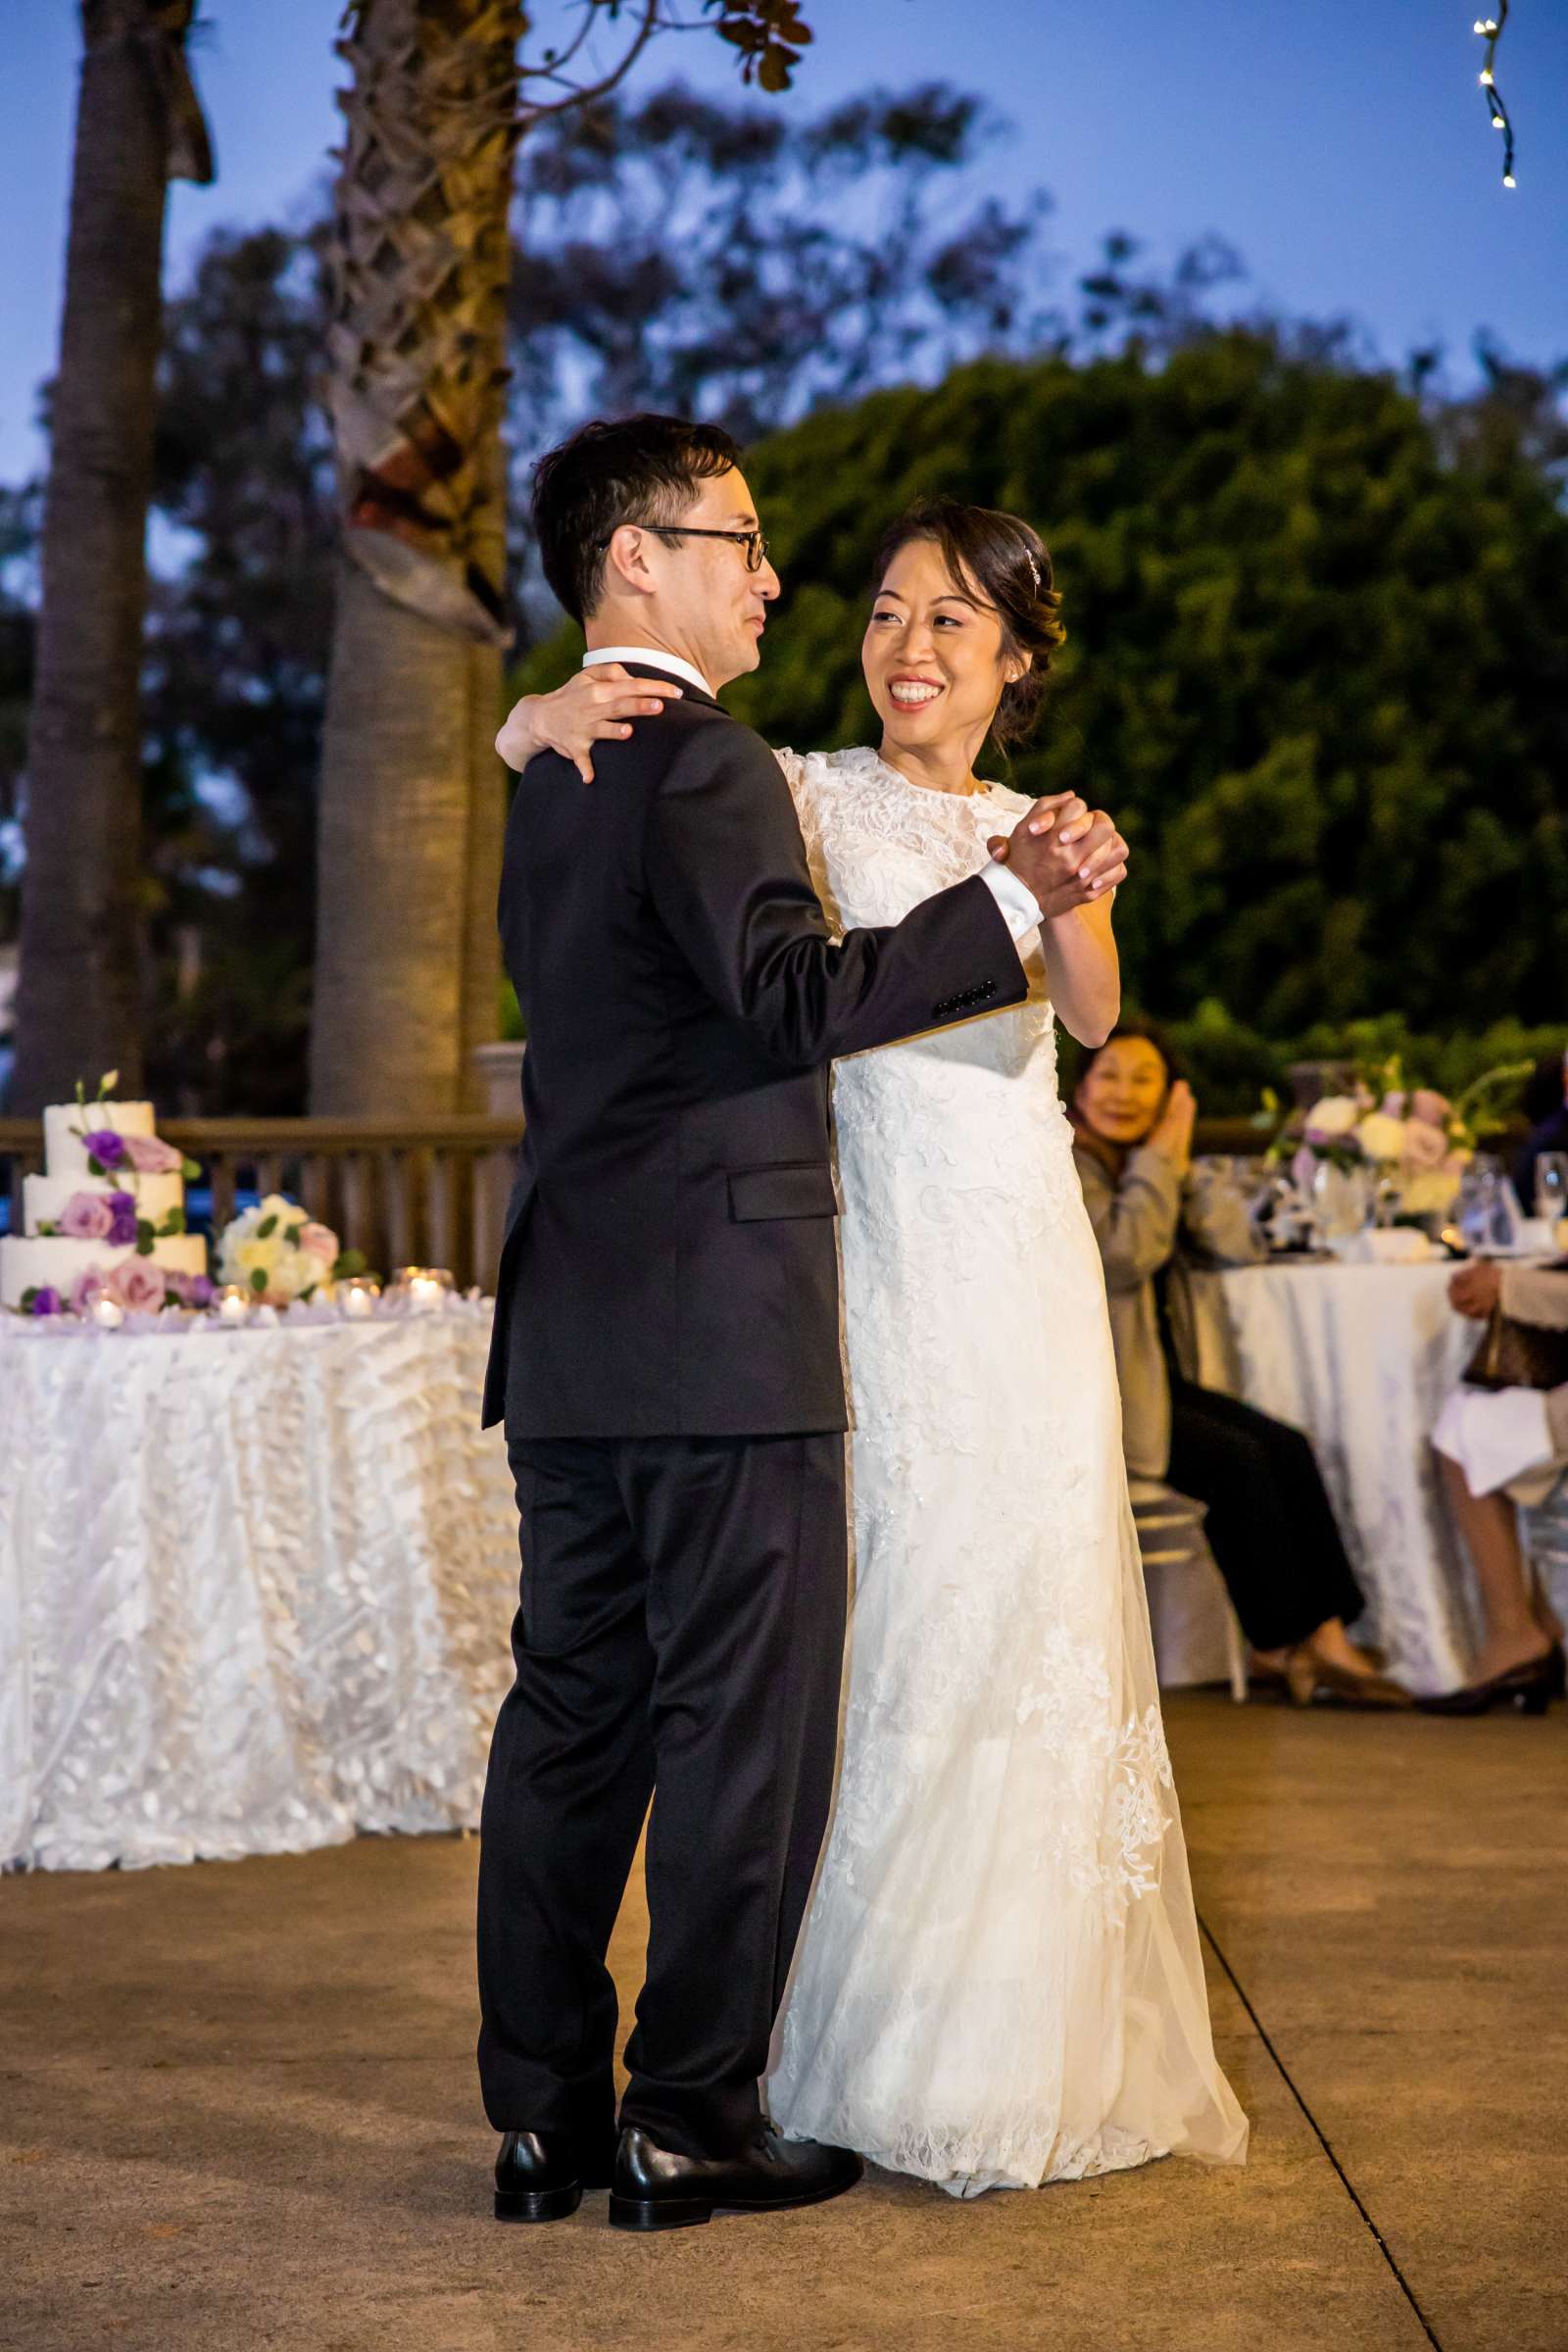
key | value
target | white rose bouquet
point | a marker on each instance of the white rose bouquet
(1413, 1138)
(279, 1254)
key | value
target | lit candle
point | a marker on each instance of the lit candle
(424, 1293)
(107, 1312)
(359, 1297)
(233, 1304)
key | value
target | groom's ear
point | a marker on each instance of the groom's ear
(626, 557)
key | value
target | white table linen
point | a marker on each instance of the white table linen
(1361, 1357)
(255, 1587)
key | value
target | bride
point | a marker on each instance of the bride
(1000, 1981)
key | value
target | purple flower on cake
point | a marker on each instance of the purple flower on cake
(137, 1286)
(105, 1146)
(46, 1301)
(191, 1290)
(122, 1219)
(150, 1156)
(84, 1290)
(87, 1217)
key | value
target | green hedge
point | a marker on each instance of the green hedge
(1230, 1065)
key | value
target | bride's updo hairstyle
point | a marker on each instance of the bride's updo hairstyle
(1001, 556)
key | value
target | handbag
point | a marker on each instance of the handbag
(1518, 1355)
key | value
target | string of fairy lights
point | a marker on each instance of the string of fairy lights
(1489, 29)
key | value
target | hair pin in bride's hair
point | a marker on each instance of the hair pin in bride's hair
(1034, 569)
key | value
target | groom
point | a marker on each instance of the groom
(666, 1358)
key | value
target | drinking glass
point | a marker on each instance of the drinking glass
(1341, 1199)
(1487, 1212)
(1551, 1187)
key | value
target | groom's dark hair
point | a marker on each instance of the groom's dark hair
(641, 468)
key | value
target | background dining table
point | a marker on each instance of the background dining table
(1360, 1358)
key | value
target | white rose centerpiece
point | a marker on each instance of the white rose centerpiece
(280, 1255)
(1416, 1141)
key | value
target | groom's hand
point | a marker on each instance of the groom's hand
(1065, 853)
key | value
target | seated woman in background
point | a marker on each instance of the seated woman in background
(1268, 1522)
(1497, 1449)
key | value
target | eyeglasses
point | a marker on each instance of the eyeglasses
(755, 544)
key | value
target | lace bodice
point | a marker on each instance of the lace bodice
(878, 844)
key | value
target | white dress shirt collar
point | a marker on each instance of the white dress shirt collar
(655, 661)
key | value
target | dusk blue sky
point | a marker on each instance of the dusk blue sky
(1343, 147)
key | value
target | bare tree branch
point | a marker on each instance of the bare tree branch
(584, 93)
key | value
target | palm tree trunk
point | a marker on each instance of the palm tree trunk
(137, 123)
(405, 975)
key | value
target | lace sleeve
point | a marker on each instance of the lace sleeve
(805, 791)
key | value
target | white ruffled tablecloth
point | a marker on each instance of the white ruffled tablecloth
(255, 1587)
(1361, 1357)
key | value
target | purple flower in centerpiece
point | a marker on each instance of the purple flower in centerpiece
(199, 1291)
(123, 1220)
(46, 1301)
(105, 1146)
(87, 1217)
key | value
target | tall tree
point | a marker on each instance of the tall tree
(138, 124)
(412, 800)
(409, 802)
(622, 229)
(1317, 656)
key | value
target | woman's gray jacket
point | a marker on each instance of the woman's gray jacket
(1153, 1218)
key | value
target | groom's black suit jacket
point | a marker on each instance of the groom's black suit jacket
(670, 1267)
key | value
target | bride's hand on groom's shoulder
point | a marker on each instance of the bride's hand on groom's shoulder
(1066, 853)
(594, 707)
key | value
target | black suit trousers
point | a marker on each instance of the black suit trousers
(680, 1637)
(1271, 1524)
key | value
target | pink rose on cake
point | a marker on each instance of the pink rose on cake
(138, 1286)
(87, 1217)
(86, 1288)
(150, 1156)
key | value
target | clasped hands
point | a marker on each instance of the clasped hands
(1067, 854)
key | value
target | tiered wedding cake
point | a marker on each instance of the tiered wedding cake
(113, 1194)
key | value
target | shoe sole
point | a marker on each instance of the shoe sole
(538, 2204)
(645, 2214)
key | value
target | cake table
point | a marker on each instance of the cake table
(256, 1585)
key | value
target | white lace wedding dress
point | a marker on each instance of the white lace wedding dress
(1000, 1981)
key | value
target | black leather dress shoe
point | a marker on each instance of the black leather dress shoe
(655, 2189)
(540, 2176)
